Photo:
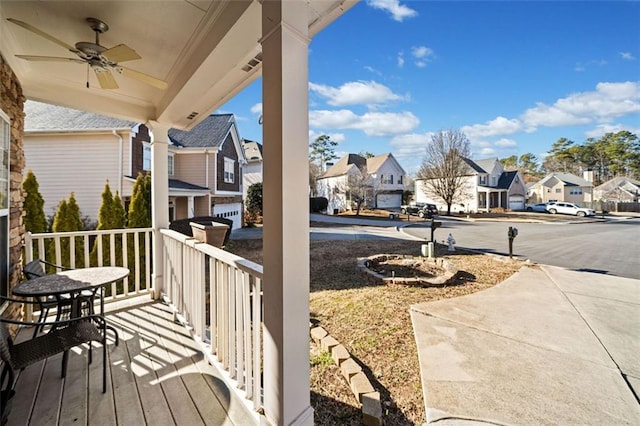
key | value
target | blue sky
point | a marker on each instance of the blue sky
(515, 76)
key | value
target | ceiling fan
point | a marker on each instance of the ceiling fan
(100, 59)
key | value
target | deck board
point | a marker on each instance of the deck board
(156, 376)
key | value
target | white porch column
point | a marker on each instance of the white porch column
(159, 197)
(286, 225)
(487, 200)
(191, 210)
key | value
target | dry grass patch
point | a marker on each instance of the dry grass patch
(373, 322)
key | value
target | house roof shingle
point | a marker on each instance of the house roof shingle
(179, 184)
(209, 133)
(568, 179)
(45, 117)
(506, 178)
(342, 166)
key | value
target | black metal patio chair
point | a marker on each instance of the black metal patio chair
(63, 336)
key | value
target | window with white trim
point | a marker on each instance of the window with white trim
(146, 156)
(170, 165)
(386, 179)
(229, 170)
(5, 140)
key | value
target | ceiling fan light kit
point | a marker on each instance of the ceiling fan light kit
(99, 58)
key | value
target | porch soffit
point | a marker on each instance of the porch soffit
(199, 47)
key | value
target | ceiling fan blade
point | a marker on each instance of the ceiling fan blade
(121, 53)
(49, 59)
(105, 78)
(145, 78)
(42, 34)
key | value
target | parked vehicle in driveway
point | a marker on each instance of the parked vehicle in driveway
(569, 208)
(421, 209)
(428, 211)
(411, 208)
(540, 207)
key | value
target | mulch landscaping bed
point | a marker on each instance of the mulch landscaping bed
(373, 323)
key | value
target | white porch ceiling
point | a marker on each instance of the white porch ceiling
(199, 47)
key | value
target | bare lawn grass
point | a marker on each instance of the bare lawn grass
(373, 322)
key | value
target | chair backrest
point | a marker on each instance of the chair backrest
(33, 269)
(5, 344)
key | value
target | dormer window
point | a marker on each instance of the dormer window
(483, 180)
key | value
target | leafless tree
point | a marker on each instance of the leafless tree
(444, 167)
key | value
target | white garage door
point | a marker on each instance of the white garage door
(389, 200)
(229, 211)
(516, 202)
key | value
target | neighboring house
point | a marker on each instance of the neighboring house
(562, 187)
(211, 156)
(77, 151)
(486, 185)
(382, 175)
(620, 189)
(252, 172)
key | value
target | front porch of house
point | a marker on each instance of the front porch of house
(491, 198)
(158, 375)
(194, 356)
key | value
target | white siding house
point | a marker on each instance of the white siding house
(382, 174)
(252, 172)
(486, 185)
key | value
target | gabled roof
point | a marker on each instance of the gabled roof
(45, 117)
(567, 178)
(210, 133)
(619, 182)
(252, 150)
(474, 167)
(486, 164)
(342, 167)
(506, 178)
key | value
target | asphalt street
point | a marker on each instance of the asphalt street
(611, 247)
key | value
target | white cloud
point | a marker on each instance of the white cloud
(400, 59)
(397, 11)
(371, 123)
(600, 130)
(372, 70)
(487, 151)
(495, 127)
(411, 145)
(422, 55)
(355, 93)
(506, 143)
(627, 56)
(608, 101)
(257, 108)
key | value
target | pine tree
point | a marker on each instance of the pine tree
(139, 217)
(110, 216)
(68, 219)
(34, 219)
(140, 206)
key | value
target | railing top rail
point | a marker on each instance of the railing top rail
(94, 232)
(229, 258)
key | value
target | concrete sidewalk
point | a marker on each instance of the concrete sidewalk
(546, 346)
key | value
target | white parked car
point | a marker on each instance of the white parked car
(569, 208)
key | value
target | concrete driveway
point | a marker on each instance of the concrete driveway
(546, 346)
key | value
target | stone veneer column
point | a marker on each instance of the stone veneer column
(286, 218)
(12, 103)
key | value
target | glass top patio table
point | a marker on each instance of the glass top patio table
(71, 281)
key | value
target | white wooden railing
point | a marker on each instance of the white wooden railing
(219, 296)
(130, 248)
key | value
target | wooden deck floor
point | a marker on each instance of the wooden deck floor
(157, 376)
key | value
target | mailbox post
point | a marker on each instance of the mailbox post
(434, 225)
(512, 234)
